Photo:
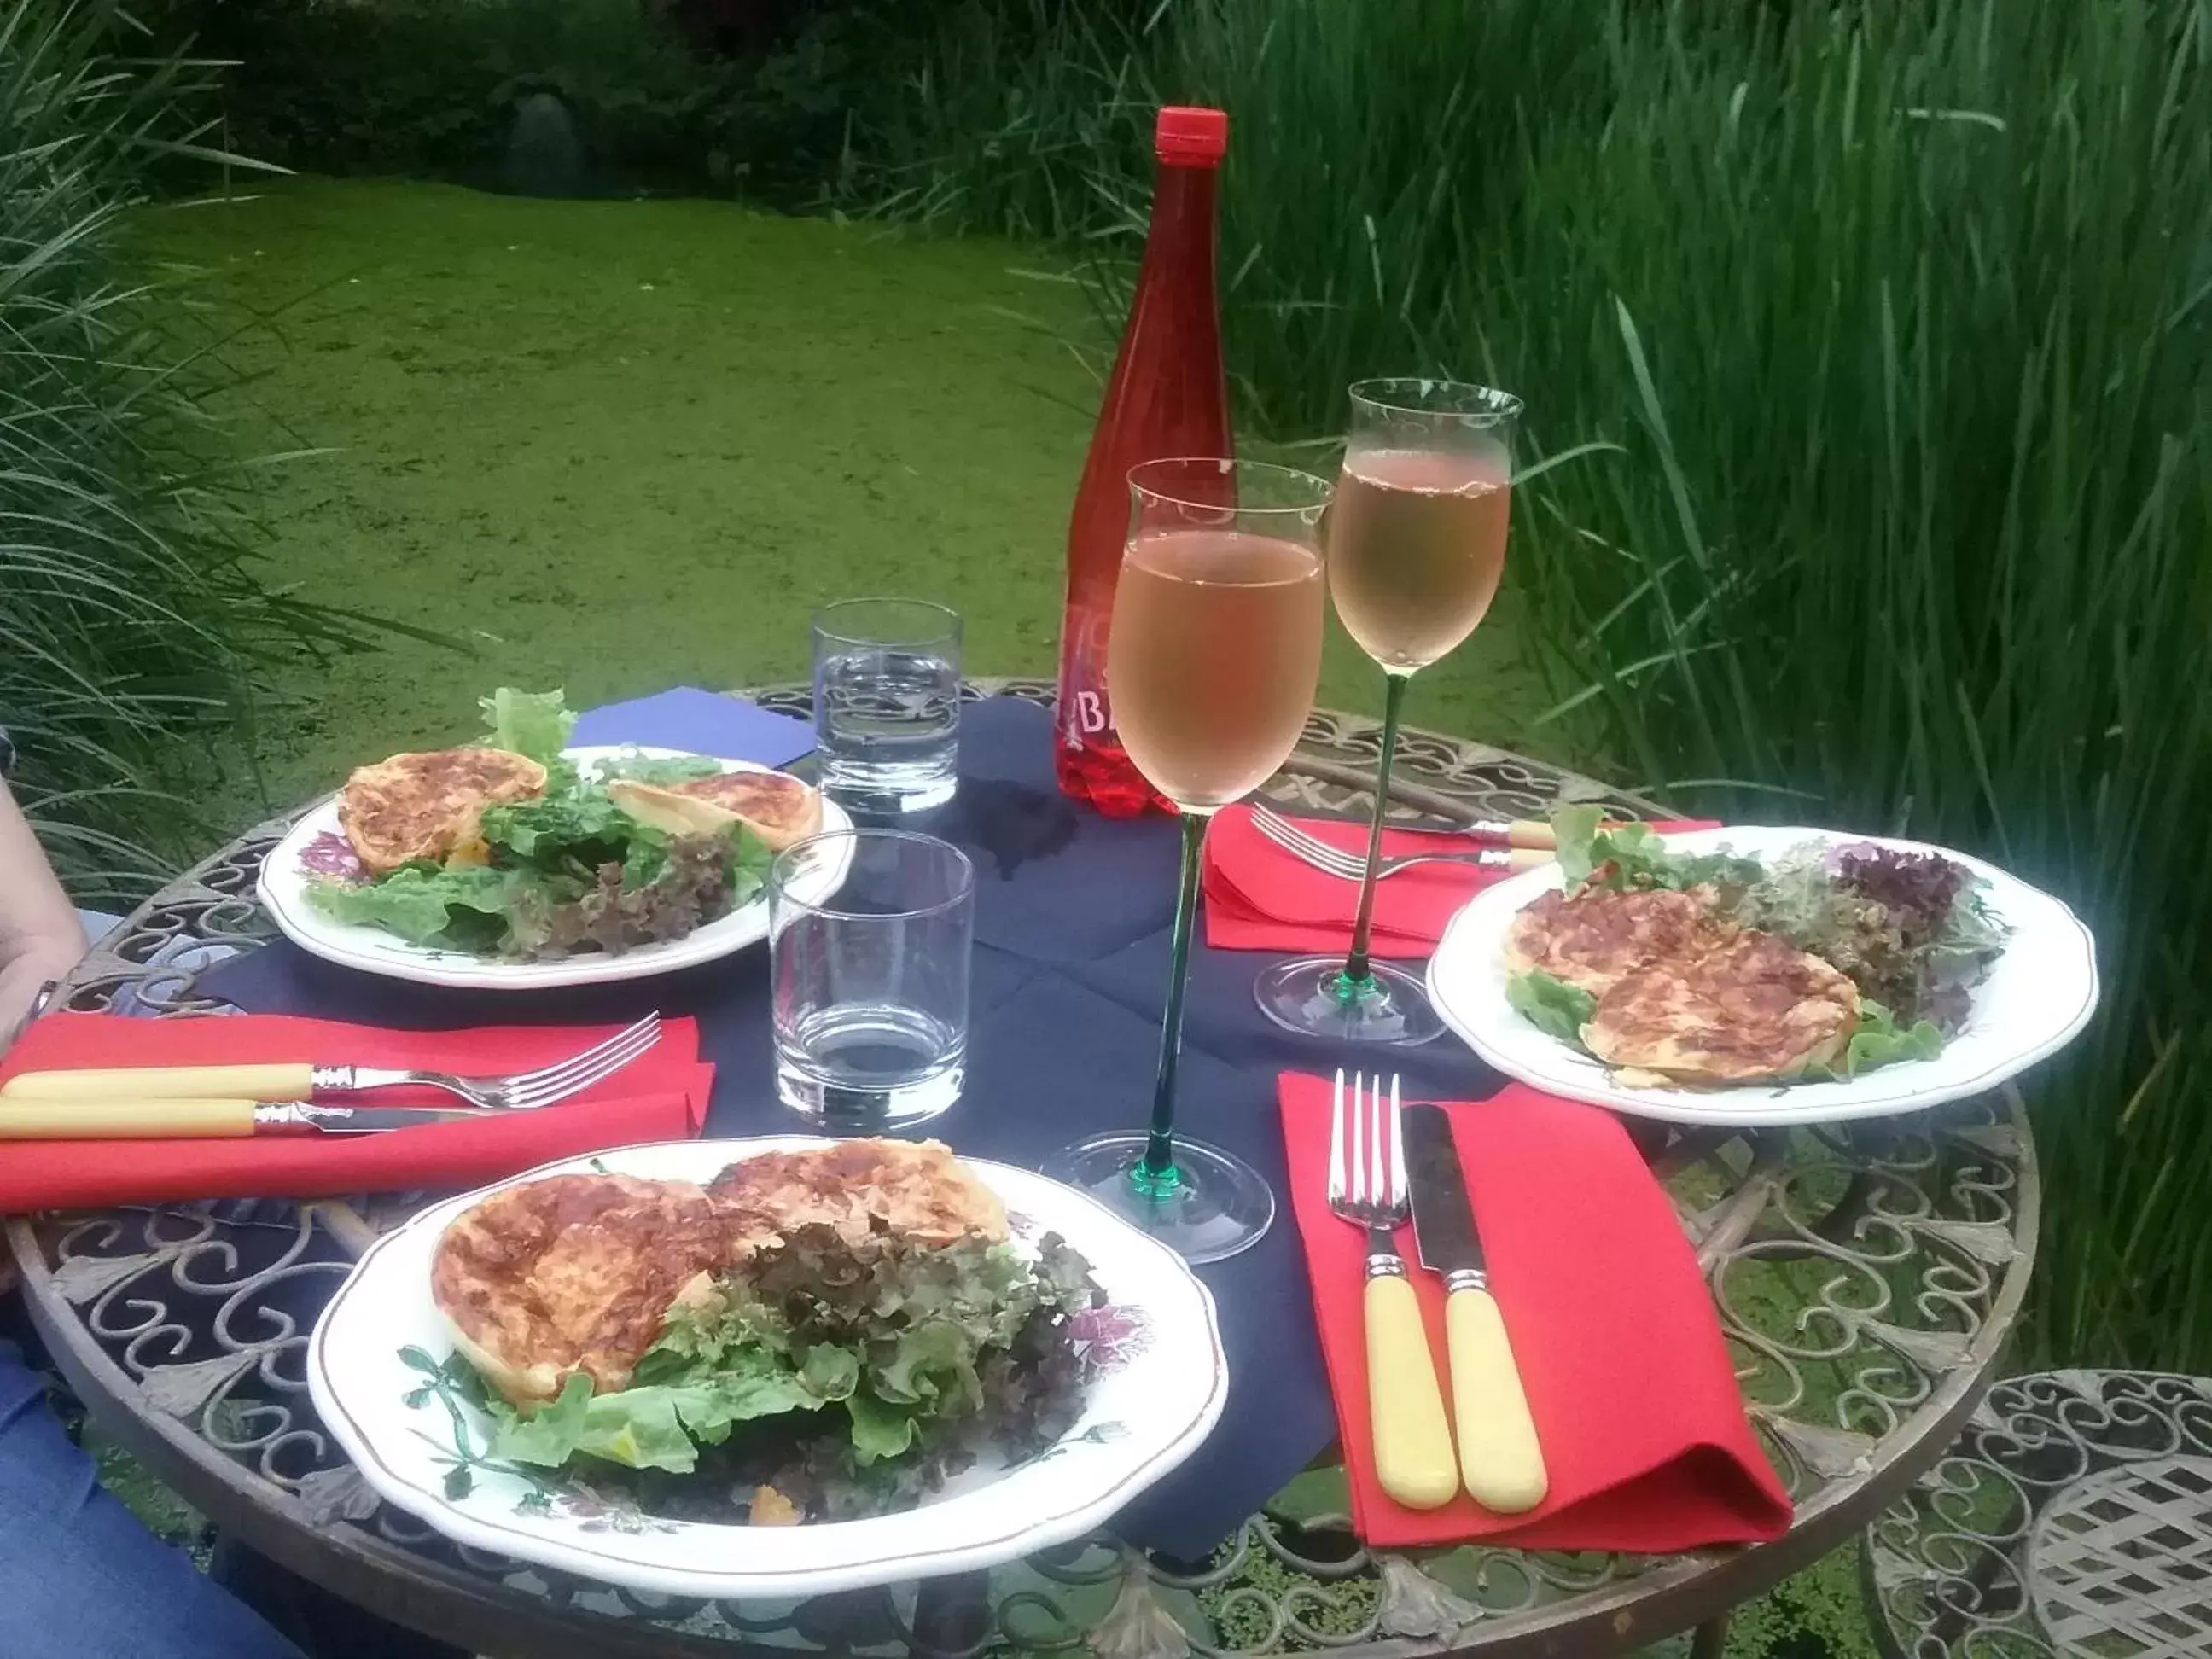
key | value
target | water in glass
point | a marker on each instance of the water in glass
(859, 1066)
(887, 704)
(870, 984)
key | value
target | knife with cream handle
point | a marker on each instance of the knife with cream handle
(1499, 1457)
(185, 1119)
(278, 1081)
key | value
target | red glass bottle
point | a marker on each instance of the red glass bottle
(1168, 396)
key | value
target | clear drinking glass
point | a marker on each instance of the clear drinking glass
(1211, 661)
(869, 975)
(887, 704)
(1416, 547)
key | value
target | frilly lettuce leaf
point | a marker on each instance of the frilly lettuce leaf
(711, 1407)
(637, 1428)
(1552, 1005)
(830, 1372)
(880, 1431)
(1574, 835)
(654, 1426)
(931, 1351)
(931, 1368)
(1879, 1041)
(1635, 855)
(579, 825)
(465, 908)
(532, 723)
(750, 859)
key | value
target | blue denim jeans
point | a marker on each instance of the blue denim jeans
(80, 1576)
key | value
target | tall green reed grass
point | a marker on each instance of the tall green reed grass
(1901, 321)
(1901, 318)
(135, 637)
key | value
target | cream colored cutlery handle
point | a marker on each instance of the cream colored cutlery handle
(1498, 1456)
(274, 1082)
(123, 1119)
(1530, 858)
(1536, 834)
(1405, 1408)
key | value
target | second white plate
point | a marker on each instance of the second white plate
(2038, 995)
(284, 893)
(1157, 1384)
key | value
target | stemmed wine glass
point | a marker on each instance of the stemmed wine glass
(1212, 664)
(1416, 547)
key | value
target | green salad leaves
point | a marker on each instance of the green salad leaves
(534, 723)
(848, 1378)
(1880, 1041)
(1909, 929)
(463, 910)
(1632, 855)
(1552, 1005)
(565, 873)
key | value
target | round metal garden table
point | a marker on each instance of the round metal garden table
(1866, 1278)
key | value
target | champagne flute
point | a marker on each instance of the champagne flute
(1416, 547)
(1211, 661)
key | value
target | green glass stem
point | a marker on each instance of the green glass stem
(1154, 1174)
(1359, 974)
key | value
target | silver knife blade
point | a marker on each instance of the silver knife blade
(354, 1120)
(1443, 1220)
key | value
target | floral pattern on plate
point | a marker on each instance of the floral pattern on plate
(1157, 1384)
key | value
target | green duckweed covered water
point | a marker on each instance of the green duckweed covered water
(618, 445)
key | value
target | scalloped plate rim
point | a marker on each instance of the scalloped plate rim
(372, 951)
(527, 1539)
(1467, 980)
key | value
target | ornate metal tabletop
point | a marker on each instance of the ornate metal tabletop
(1866, 1278)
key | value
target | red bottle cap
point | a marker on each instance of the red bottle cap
(1191, 136)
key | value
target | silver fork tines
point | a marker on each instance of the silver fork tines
(520, 1092)
(1367, 1168)
(1310, 849)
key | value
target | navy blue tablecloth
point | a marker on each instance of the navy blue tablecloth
(1072, 912)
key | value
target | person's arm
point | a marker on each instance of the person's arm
(41, 938)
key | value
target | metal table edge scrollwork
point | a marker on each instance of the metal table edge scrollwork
(1866, 1277)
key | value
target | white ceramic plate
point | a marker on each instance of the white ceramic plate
(283, 892)
(1161, 1378)
(2038, 995)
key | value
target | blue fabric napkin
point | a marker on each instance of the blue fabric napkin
(704, 722)
(1070, 971)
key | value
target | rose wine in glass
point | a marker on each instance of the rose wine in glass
(1212, 660)
(1420, 543)
(1216, 653)
(1416, 547)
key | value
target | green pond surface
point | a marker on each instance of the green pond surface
(621, 445)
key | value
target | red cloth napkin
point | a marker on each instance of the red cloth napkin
(1629, 1380)
(1258, 898)
(661, 1096)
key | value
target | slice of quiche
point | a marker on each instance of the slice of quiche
(412, 807)
(775, 807)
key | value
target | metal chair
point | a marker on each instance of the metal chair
(2073, 1520)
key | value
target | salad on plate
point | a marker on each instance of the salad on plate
(1715, 968)
(813, 1335)
(514, 848)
